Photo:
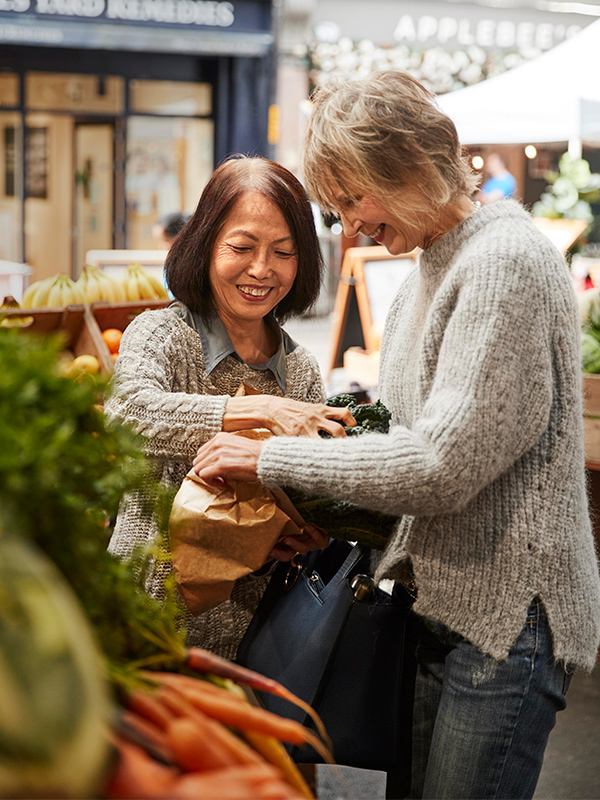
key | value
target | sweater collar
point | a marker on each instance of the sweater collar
(439, 255)
(216, 344)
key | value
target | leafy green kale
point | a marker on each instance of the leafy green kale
(370, 417)
(343, 520)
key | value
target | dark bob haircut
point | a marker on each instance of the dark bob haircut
(188, 261)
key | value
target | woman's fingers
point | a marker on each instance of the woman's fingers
(228, 456)
(343, 415)
(311, 538)
(318, 536)
(282, 552)
(294, 418)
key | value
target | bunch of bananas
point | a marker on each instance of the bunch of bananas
(94, 285)
(58, 290)
(97, 285)
(10, 303)
(141, 285)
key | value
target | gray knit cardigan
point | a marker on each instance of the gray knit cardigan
(480, 367)
(161, 388)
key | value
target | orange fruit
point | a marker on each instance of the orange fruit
(112, 337)
(114, 357)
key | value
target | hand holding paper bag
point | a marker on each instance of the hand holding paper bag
(221, 534)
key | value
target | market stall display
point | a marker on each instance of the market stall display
(92, 316)
(161, 720)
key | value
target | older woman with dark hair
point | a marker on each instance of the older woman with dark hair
(248, 258)
(484, 461)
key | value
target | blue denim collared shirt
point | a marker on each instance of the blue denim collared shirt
(216, 344)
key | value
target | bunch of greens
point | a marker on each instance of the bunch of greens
(63, 471)
(370, 417)
(343, 520)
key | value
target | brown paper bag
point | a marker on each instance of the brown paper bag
(220, 535)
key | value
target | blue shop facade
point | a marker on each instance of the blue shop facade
(114, 113)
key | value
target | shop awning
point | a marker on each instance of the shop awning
(138, 38)
(553, 98)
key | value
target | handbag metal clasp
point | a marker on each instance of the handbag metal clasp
(293, 572)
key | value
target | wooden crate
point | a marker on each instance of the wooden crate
(119, 315)
(77, 324)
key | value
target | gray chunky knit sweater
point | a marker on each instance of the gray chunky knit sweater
(481, 370)
(163, 391)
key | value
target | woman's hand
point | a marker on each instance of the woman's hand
(285, 417)
(228, 456)
(311, 538)
(293, 418)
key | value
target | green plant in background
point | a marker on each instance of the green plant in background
(570, 192)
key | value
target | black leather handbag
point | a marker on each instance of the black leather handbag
(327, 633)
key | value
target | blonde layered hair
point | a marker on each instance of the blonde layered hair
(379, 135)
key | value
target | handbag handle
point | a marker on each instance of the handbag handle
(349, 567)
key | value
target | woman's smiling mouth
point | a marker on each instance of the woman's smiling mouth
(378, 233)
(254, 291)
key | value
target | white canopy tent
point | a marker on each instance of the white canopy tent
(552, 98)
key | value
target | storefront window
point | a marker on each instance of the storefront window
(9, 90)
(168, 163)
(11, 186)
(171, 97)
(95, 94)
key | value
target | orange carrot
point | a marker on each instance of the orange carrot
(246, 717)
(193, 747)
(177, 680)
(147, 705)
(275, 753)
(148, 729)
(259, 782)
(203, 661)
(137, 776)
(234, 749)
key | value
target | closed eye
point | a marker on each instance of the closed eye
(284, 254)
(240, 248)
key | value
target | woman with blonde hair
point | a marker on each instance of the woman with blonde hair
(484, 462)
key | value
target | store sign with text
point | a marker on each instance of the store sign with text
(241, 15)
(453, 24)
(486, 33)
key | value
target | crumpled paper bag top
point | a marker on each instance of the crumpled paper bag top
(221, 534)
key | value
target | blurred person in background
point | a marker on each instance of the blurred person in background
(500, 184)
(167, 228)
(484, 462)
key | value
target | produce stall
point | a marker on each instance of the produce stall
(90, 313)
(96, 673)
(100, 696)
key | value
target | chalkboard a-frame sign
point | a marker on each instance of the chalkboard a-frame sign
(369, 280)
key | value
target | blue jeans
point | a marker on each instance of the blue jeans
(480, 726)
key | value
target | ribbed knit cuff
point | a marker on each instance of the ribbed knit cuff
(286, 460)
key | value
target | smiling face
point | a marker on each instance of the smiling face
(254, 261)
(400, 223)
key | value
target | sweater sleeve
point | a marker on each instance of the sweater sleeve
(489, 402)
(315, 392)
(174, 424)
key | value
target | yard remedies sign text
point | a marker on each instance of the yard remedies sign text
(178, 12)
